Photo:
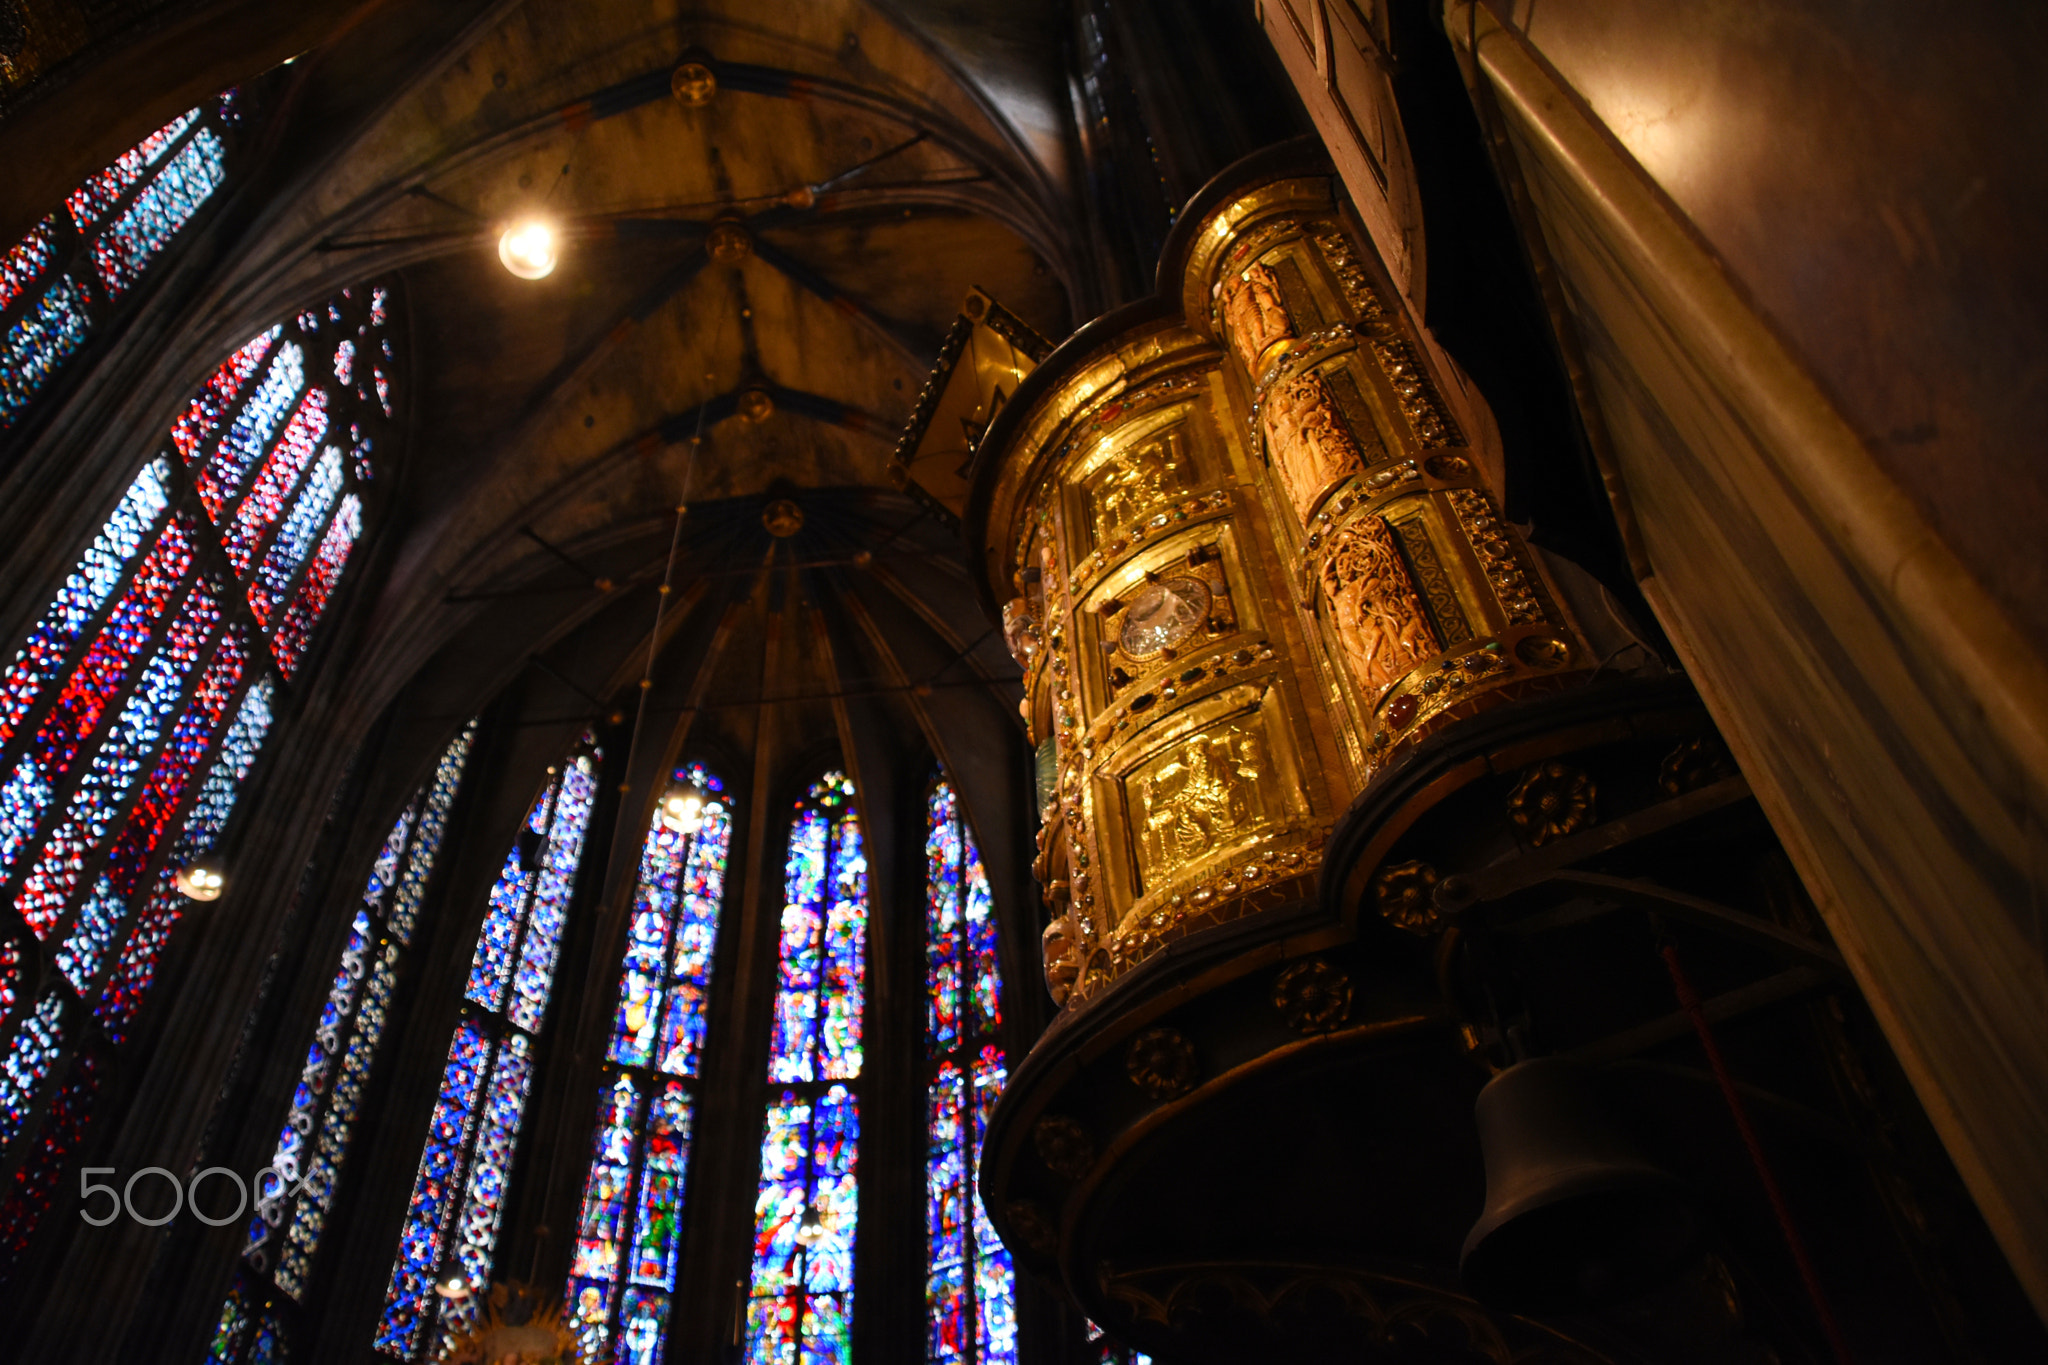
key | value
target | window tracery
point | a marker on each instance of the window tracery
(452, 1219)
(139, 700)
(284, 1233)
(800, 1305)
(629, 1228)
(113, 226)
(970, 1290)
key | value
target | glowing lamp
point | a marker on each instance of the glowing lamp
(202, 879)
(527, 249)
(682, 806)
(453, 1287)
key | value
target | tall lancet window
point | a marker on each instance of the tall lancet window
(629, 1234)
(801, 1305)
(57, 283)
(970, 1292)
(451, 1224)
(138, 702)
(315, 1139)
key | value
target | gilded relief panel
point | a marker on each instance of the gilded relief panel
(1206, 793)
(1137, 479)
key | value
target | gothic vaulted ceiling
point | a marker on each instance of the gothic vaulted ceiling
(862, 177)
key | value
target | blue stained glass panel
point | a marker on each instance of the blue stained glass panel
(337, 1126)
(265, 501)
(408, 1302)
(39, 343)
(666, 977)
(384, 871)
(126, 248)
(948, 1310)
(26, 261)
(490, 971)
(792, 1046)
(217, 395)
(97, 197)
(308, 517)
(249, 435)
(597, 1262)
(203, 823)
(845, 944)
(647, 934)
(289, 642)
(474, 1236)
(696, 940)
(37, 1179)
(534, 979)
(643, 1326)
(29, 1058)
(99, 572)
(330, 1090)
(404, 911)
(92, 687)
(121, 759)
(970, 1295)
(658, 1206)
(801, 1304)
(205, 714)
(995, 1278)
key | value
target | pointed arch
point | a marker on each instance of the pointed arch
(970, 1284)
(629, 1230)
(452, 1220)
(139, 701)
(800, 1304)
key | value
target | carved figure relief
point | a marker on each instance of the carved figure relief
(1381, 626)
(1255, 314)
(1020, 631)
(1310, 444)
(1130, 485)
(1062, 959)
(1201, 795)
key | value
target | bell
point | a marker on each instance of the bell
(1575, 1215)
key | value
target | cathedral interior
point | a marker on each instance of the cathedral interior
(1067, 682)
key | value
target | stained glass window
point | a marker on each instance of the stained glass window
(452, 1222)
(800, 1306)
(138, 701)
(970, 1286)
(284, 1234)
(120, 220)
(1103, 1348)
(629, 1234)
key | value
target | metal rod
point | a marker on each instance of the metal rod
(1689, 1001)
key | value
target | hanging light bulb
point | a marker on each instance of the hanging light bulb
(810, 1229)
(202, 879)
(682, 806)
(527, 249)
(453, 1286)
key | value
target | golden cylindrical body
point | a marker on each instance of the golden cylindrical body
(1253, 560)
